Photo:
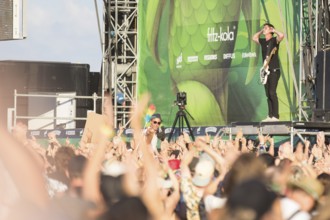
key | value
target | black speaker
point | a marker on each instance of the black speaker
(33, 77)
(322, 68)
(93, 82)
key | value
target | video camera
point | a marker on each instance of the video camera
(181, 99)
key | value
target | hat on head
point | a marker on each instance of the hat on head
(311, 186)
(206, 156)
(156, 115)
(113, 168)
(203, 173)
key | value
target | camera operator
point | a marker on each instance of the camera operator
(155, 133)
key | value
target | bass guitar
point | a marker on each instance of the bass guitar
(264, 70)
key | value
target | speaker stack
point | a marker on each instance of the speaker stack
(322, 87)
(43, 77)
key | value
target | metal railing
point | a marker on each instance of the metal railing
(12, 113)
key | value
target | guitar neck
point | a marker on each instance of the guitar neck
(270, 55)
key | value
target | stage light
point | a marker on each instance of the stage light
(120, 98)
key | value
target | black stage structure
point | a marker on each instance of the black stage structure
(42, 77)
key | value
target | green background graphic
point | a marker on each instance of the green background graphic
(205, 48)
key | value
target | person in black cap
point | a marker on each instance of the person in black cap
(155, 133)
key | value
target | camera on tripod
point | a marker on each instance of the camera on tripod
(181, 99)
(181, 118)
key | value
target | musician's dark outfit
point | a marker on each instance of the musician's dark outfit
(273, 77)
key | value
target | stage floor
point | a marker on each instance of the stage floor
(282, 131)
(281, 128)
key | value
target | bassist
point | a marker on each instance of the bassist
(267, 44)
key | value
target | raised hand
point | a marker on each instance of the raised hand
(320, 139)
(186, 138)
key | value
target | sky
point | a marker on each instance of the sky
(59, 31)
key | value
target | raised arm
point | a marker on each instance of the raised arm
(216, 157)
(25, 172)
(256, 36)
(150, 194)
(271, 150)
(279, 35)
(91, 187)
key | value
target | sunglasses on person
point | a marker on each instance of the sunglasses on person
(157, 122)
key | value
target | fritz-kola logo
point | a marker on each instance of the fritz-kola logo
(179, 61)
(222, 35)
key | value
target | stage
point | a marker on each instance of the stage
(290, 129)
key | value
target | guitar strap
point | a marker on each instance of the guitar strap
(271, 46)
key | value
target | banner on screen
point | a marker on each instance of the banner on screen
(205, 48)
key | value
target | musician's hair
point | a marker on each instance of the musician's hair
(270, 25)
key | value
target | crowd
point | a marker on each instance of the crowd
(209, 178)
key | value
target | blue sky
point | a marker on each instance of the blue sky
(60, 31)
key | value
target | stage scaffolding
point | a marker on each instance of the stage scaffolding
(314, 37)
(119, 43)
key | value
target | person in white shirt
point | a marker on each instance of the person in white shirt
(154, 133)
(301, 198)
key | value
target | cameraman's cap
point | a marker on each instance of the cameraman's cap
(156, 115)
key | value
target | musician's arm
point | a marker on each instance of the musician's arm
(279, 35)
(256, 37)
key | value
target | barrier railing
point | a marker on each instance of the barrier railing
(12, 115)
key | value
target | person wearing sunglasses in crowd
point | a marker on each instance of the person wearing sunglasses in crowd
(155, 134)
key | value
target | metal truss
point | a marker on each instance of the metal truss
(308, 31)
(120, 53)
(120, 56)
(324, 25)
(314, 36)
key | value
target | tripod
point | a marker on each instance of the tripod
(181, 117)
